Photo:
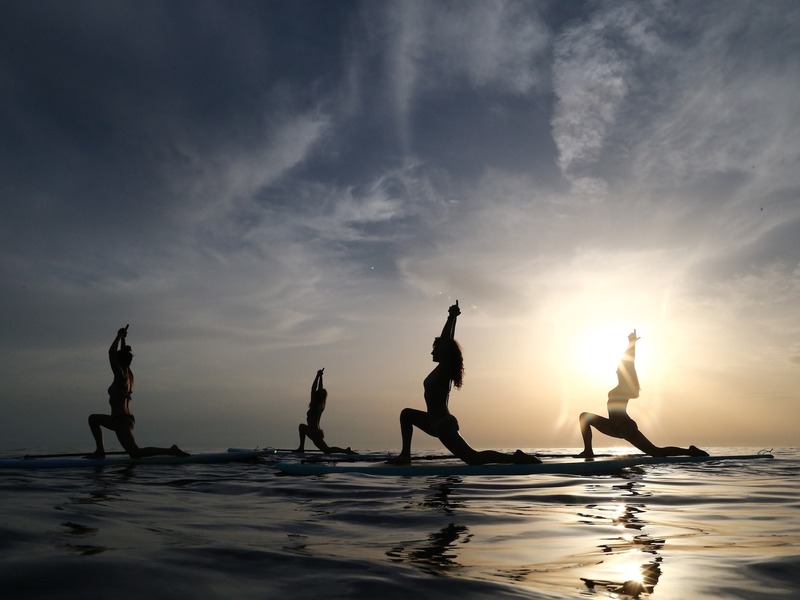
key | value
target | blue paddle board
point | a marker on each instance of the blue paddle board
(71, 462)
(582, 467)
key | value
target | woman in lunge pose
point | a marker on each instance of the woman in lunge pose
(311, 428)
(121, 420)
(437, 421)
(619, 424)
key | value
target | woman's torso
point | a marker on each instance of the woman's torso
(314, 414)
(437, 391)
(119, 394)
(618, 410)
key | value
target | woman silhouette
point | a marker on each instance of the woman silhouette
(437, 421)
(121, 420)
(311, 428)
(619, 424)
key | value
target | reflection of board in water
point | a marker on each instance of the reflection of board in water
(571, 467)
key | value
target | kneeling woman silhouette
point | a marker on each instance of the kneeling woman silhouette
(311, 428)
(121, 420)
(437, 420)
(619, 424)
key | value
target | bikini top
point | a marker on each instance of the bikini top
(437, 390)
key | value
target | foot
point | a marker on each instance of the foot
(175, 451)
(96, 454)
(586, 454)
(695, 451)
(520, 458)
(349, 450)
(400, 459)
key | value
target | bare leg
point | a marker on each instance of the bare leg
(125, 437)
(453, 441)
(124, 430)
(410, 418)
(302, 428)
(154, 451)
(587, 421)
(96, 422)
(318, 440)
(339, 450)
(634, 437)
(639, 440)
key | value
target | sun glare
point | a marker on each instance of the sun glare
(597, 352)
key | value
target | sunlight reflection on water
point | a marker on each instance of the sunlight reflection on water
(653, 532)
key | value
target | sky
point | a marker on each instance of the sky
(263, 189)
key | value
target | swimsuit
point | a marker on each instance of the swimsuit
(118, 392)
(624, 425)
(437, 387)
(437, 391)
(434, 383)
(445, 424)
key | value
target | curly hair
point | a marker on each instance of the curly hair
(456, 362)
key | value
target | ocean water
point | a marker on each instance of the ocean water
(686, 531)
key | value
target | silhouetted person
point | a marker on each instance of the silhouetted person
(311, 428)
(121, 421)
(619, 424)
(437, 420)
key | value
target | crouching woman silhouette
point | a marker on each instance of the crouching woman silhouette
(121, 420)
(437, 421)
(619, 424)
(311, 428)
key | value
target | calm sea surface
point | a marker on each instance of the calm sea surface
(727, 530)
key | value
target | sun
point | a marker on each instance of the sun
(597, 351)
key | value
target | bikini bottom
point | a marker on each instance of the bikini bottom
(445, 424)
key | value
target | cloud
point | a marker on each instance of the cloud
(594, 72)
(498, 46)
(258, 189)
(213, 182)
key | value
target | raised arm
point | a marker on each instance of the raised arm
(116, 345)
(627, 368)
(449, 329)
(317, 385)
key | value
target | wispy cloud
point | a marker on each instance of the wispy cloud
(256, 188)
(432, 46)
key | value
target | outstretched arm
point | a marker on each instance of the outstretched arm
(449, 329)
(627, 367)
(317, 385)
(116, 345)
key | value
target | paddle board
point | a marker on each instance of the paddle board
(311, 455)
(583, 467)
(372, 456)
(70, 462)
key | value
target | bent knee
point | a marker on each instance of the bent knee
(406, 414)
